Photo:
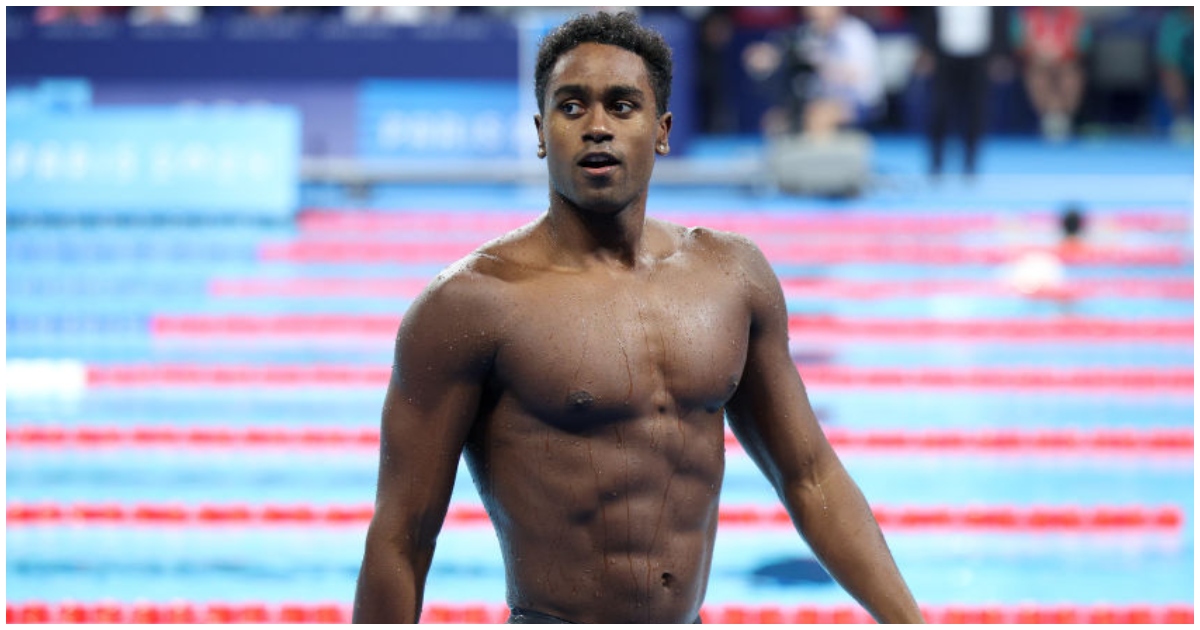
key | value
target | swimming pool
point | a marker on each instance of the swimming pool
(198, 438)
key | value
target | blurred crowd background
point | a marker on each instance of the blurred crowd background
(216, 217)
(1055, 72)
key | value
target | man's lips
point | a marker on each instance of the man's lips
(598, 164)
(599, 171)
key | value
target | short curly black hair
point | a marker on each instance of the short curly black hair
(621, 29)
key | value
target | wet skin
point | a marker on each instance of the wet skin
(583, 365)
(600, 449)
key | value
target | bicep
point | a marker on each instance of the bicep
(429, 409)
(770, 412)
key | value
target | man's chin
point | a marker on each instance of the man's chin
(604, 205)
(604, 202)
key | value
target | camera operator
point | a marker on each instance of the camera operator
(829, 68)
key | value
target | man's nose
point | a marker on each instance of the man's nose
(598, 126)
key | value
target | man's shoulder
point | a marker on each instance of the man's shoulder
(485, 271)
(717, 243)
(735, 252)
(465, 300)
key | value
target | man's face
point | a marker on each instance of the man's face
(600, 128)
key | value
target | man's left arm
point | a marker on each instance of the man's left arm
(771, 416)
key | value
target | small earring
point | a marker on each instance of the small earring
(662, 147)
(541, 152)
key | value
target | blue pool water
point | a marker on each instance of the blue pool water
(88, 293)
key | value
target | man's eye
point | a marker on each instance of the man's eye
(571, 109)
(623, 107)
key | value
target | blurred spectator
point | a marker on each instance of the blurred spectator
(274, 12)
(830, 66)
(1051, 42)
(714, 36)
(882, 19)
(88, 16)
(265, 12)
(961, 48)
(764, 18)
(396, 15)
(169, 15)
(1174, 51)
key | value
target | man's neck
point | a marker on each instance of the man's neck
(586, 236)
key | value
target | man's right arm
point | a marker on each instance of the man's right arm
(442, 356)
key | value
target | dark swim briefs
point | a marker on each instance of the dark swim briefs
(524, 615)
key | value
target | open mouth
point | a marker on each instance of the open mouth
(598, 163)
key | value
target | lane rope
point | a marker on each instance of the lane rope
(1153, 442)
(797, 288)
(1144, 380)
(375, 251)
(38, 612)
(883, 221)
(1036, 519)
(823, 328)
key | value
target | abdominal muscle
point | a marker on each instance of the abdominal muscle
(609, 524)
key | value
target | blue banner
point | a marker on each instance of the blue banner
(154, 160)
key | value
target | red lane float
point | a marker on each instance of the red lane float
(397, 288)
(409, 288)
(1162, 380)
(376, 251)
(1156, 380)
(1089, 329)
(177, 613)
(886, 221)
(1008, 519)
(487, 613)
(1157, 442)
(379, 326)
(808, 327)
(193, 375)
(883, 222)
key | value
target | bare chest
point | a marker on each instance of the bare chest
(588, 349)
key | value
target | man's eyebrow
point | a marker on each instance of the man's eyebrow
(625, 91)
(616, 91)
(570, 90)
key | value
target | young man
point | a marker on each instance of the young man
(584, 365)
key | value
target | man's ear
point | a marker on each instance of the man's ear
(537, 122)
(662, 144)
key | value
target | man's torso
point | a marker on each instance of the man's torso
(599, 448)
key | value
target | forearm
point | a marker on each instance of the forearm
(390, 585)
(836, 521)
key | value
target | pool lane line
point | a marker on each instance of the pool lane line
(109, 611)
(69, 378)
(819, 327)
(1140, 380)
(1151, 442)
(973, 519)
(864, 220)
(329, 250)
(793, 287)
